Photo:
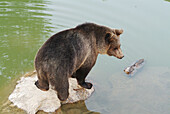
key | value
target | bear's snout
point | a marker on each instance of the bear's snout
(120, 57)
(115, 52)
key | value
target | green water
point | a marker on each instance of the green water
(26, 24)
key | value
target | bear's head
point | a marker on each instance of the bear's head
(114, 43)
(111, 42)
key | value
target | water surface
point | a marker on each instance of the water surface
(25, 25)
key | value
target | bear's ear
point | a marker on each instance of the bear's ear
(118, 31)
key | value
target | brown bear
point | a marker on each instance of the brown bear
(73, 53)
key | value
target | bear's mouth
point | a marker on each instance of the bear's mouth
(120, 57)
(110, 53)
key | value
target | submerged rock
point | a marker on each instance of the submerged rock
(31, 99)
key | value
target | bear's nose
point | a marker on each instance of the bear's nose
(121, 57)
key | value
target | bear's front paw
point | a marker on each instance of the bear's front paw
(86, 85)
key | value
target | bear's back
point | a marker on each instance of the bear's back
(69, 45)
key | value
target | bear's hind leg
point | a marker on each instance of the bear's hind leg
(42, 82)
(61, 85)
(42, 86)
(63, 93)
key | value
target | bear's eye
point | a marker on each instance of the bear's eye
(115, 48)
(107, 35)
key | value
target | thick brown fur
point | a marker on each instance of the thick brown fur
(73, 53)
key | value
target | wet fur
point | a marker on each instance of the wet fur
(71, 53)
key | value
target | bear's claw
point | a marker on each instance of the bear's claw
(40, 87)
(86, 85)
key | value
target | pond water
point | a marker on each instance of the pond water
(25, 25)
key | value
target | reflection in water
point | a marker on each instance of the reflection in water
(24, 25)
(9, 108)
(167, 0)
(75, 108)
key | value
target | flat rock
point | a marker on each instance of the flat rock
(31, 99)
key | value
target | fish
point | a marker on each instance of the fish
(132, 69)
